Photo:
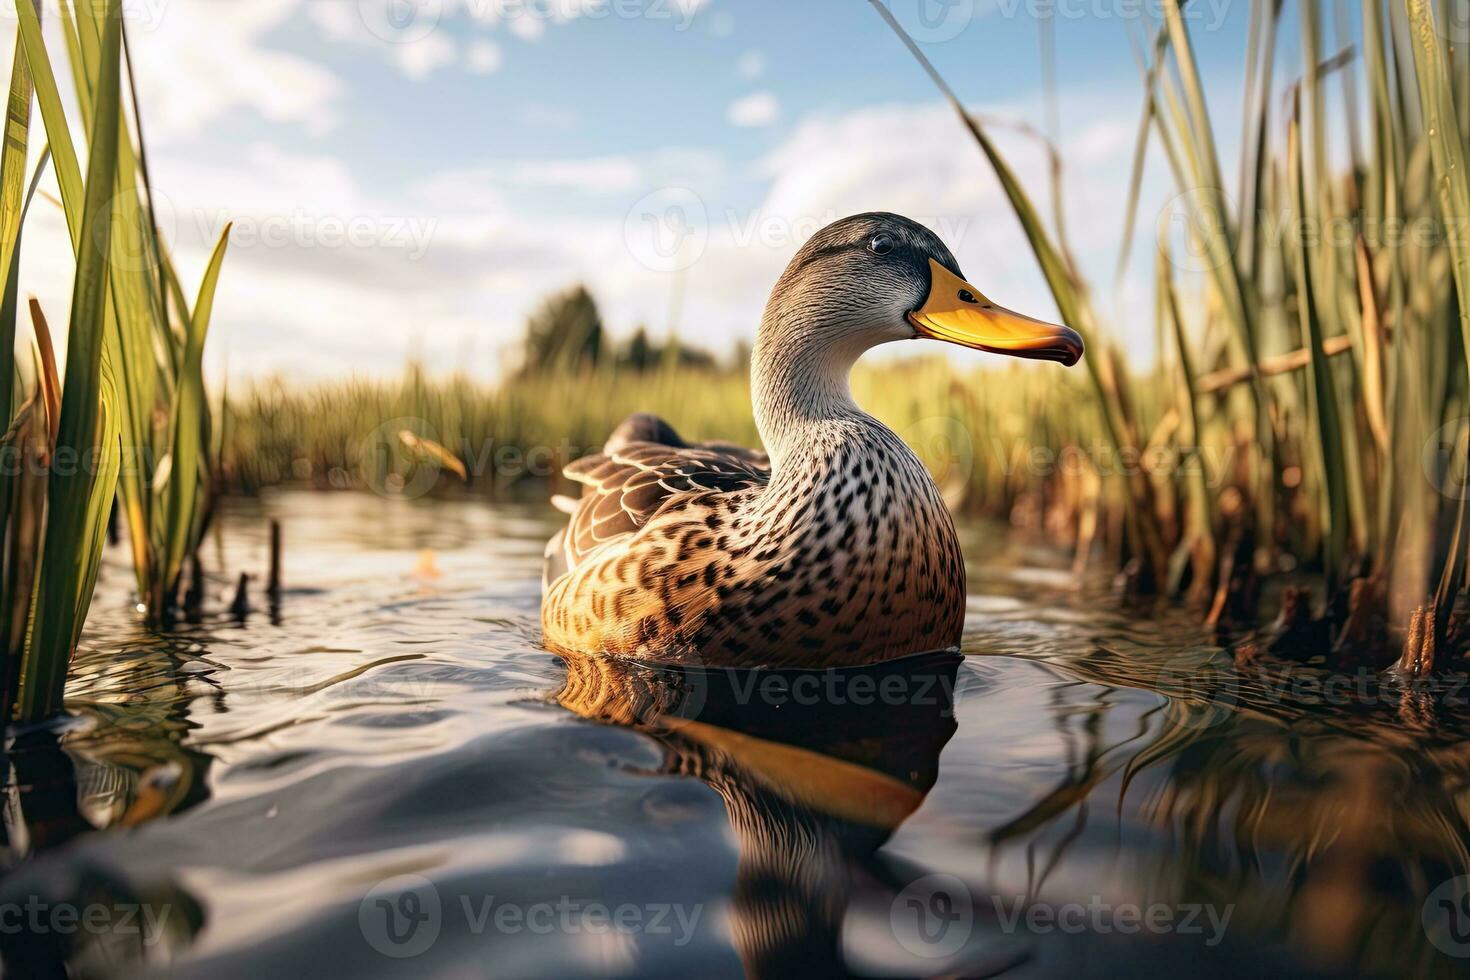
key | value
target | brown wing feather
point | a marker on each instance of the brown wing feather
(623, 489)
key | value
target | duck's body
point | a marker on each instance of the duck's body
(839, 550)
(845, 555)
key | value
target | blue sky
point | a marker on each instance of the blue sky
(415, 175)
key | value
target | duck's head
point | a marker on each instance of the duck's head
(874, 278)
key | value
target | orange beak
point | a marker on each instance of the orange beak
(956, 312)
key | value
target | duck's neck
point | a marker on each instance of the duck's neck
(799, 389)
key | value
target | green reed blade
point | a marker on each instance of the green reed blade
(48, 98)
(1140, 153)
(188, 436)
(1383, 178)
(83, 463)
(7, 313)
(1198, 484)
(12, 178)
(1331, 265)
(89, 44)
(130, 343)
(1447, 151)
(135, 320)
(1322, 390)
(1214, 228)
(74, 57)
(1255, 140)
(154, 241)
(98, 508)
(12, 186)
(1199, 139)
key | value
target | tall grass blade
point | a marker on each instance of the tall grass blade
(12, 186)
(1447, 151)
(1322, 389)
(48, 98)
(189, 457)
(1203, 548)
(74, 536)
(12, 178)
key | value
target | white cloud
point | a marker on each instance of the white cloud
(484, 58)
(322, 275)
(199, 61)
(752, 64)
(595, 175)
(338, 22)
(602, 175)
(416, 48)
(425, 56)
(756, 109)
(591, 175)
(527, 27)
(418, 38)
(484, 11)
(915, 158)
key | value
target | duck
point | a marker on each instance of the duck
(832, 546)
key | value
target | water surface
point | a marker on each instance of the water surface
(382, 774)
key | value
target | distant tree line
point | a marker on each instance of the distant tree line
(566, 334)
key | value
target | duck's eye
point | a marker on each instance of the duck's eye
(881, 244)
(967, 297)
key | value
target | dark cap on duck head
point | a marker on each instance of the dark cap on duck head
(871, 261)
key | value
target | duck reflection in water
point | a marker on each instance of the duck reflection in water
(816, 768)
